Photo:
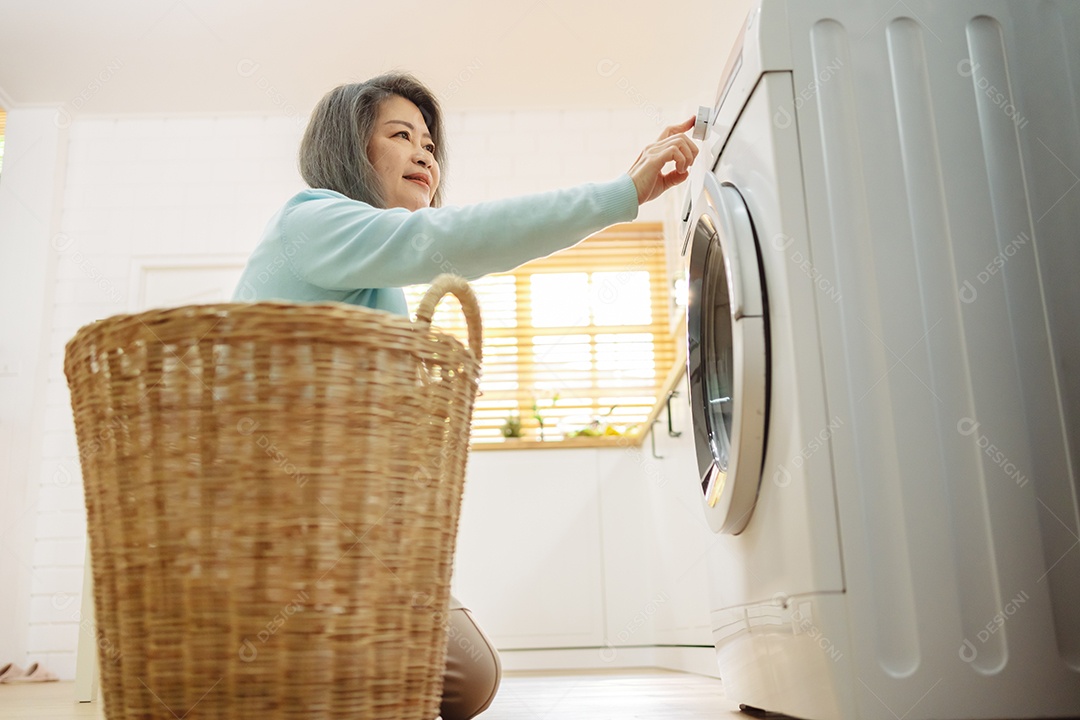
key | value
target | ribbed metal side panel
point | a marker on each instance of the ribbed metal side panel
(941, 152)
(867, 363)
(1017, 299)
(1043, 150)
(974, 568)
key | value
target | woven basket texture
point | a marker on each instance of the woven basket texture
(272, 494)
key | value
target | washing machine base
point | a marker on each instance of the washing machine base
(794, 656)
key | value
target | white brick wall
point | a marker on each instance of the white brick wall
(145, 187)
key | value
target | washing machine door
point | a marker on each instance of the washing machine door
(727, 361)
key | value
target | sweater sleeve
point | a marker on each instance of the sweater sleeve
(343, 244)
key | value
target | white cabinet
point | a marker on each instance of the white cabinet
(586, 548)
(528, 560)
(683, 538)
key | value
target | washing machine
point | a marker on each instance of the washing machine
(882, 240)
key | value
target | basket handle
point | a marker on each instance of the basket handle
(459, 287)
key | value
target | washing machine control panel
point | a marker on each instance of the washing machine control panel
(701, 127)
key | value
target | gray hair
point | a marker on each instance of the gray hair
(333, 153)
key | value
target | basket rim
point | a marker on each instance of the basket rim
(269, 313)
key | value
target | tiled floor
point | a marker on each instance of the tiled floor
(622, 695)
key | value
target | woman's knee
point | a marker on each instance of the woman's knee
(473, 670)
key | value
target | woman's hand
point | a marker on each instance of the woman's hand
(673, 145)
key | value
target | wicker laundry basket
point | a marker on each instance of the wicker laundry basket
(272, 493)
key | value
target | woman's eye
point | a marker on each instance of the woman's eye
(430, 149)
(405, 133)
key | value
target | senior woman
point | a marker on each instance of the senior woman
(373, 222)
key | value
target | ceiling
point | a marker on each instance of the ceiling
(280, 56)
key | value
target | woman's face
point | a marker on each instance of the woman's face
(402, 153)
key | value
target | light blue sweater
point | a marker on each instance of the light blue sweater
(323, 246)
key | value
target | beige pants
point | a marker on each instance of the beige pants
(473, 670)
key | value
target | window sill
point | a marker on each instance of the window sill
(604, 441)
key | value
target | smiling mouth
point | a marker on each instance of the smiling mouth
(419, 182)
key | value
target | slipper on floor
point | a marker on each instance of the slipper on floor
(35, 673)
(10, 671)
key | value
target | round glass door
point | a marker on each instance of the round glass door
(726, 356)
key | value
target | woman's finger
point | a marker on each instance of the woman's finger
(683, 153)
(675, 146)
(676, 139)
(673, 178)
(681, 143)
(679, 128)
(686, 157)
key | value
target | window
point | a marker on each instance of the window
(576, 344)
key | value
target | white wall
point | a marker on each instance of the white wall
(136, 190)
(181, 192)
(30, 192)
